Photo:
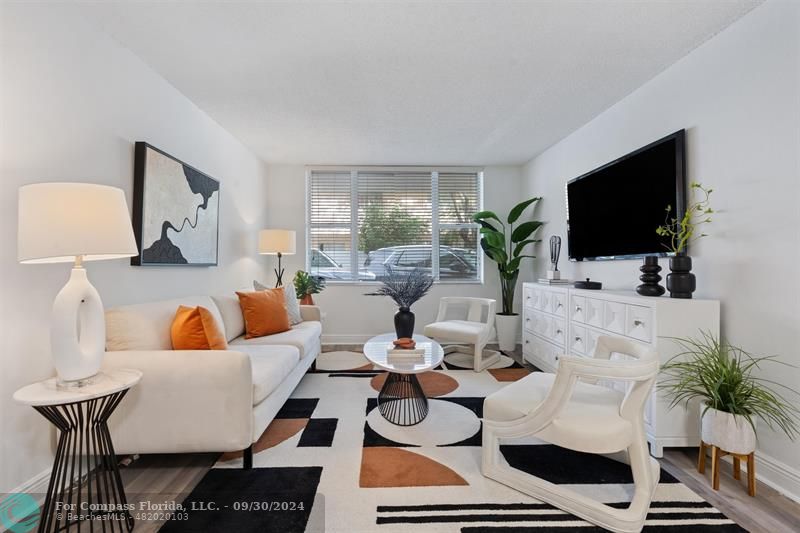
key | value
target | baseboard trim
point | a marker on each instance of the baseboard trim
(35, 486)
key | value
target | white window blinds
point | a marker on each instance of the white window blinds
(364, 223)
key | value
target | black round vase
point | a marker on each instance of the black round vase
(404, 323)
(650, 278)
(681, 282)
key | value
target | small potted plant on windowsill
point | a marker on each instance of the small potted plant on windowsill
(305, 285)
(681, 283)
(505, 247)
(721, 376)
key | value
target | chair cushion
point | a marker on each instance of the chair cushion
(457, 331)
(271, 365)
(304, 336)
(590, 422)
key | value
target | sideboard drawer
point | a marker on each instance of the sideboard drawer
(593, 311)
(614, 317)
(577, 309)
(529, 298)
(558, 304)
(591, 341)
(558, 331)
(639, 323)
(542, 302)
(578, 341)
(528, 322)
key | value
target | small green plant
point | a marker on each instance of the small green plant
(682, 232)
(505, 246)
(721, 375)
(305, 284)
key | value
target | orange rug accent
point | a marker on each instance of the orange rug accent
(278, 431)
(509, 374)
(433, 383)
(395, 467)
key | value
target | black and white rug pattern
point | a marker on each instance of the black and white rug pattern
(359, 473)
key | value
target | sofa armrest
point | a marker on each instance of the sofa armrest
(311, 313)
(187, 401)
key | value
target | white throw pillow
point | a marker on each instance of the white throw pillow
(292, 305)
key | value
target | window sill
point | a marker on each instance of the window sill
(344, 283)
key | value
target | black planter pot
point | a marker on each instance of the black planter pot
(650, 277)
(404, 322)
(681, 283)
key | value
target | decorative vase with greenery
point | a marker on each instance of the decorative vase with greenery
(681, 232)
(404, 289)
(505, 246)
(721, 376)
(305, 285)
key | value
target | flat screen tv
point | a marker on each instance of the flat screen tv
(613, 211)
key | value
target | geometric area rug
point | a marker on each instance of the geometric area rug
(330, 462)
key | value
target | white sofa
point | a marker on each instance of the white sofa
(205, 400)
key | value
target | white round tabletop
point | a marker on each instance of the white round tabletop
(377, 351)
(102, 384)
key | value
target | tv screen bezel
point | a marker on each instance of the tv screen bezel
(680, 186)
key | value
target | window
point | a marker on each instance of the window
(362, 223)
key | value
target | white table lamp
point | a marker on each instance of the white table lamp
(73, 223)
(278, 242)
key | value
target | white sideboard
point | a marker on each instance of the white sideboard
(558, 320)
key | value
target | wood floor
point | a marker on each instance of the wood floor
(166, 478)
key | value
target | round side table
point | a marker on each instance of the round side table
(401, 400)
(85, 484)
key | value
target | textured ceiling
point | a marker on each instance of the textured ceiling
(487, 82)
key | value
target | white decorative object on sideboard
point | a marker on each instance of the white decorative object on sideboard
(557, 320)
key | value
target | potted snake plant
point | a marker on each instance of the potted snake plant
(505, 245)
(721, 376)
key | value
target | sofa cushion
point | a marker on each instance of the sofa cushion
(147, 326)
(264, 312)
(195, 328)
(231, 312)
(270, 366)
(292, 304)
(304, 336)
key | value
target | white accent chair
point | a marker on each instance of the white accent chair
(464, 320)
(569, 409)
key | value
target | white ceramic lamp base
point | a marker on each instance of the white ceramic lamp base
(78, 330)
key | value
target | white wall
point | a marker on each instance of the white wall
(73, 104)
(738, 96)
(353, 317)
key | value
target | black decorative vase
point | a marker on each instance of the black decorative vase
(650, 278)
(681, 282)
(404, 323)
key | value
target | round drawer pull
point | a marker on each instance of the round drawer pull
(578, 339)
(638, 323)
(558, 332)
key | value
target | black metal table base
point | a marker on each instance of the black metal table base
(85, 485)
(402, 401)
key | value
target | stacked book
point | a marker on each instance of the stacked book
(546, 281)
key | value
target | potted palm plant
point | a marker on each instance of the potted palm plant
(305, 285)
(721, 376)
(505, 245)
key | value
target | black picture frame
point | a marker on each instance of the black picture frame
(161, 253)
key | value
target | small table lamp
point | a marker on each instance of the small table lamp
(278, 242)
(73, 223)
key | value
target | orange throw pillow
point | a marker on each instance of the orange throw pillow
(264, 312)
(195, 328)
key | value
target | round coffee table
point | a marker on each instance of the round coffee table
(401, 400)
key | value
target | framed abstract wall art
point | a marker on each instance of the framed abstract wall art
(175, 211)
